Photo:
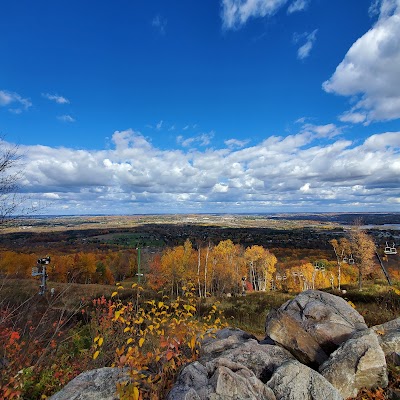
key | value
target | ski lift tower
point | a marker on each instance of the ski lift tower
(40, 270)
(340, 260)
(318, 267)
(388, 250)
(139, 274)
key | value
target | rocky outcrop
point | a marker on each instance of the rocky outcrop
(98, 384)
(222, 380)
(295, 381)
(389, 339)
(314, 329)
(248, 371)
(232, 365)
(358, 363)
(313, 325)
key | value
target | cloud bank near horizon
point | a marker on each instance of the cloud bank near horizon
(314, 169)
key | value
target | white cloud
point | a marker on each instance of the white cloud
(383, 141)
(12, 99)
(235, 13)
(353, 117)
(370, 70)
(51, 196)
(160, 23)
(298, 5)
(54, 97)
(202, 140)
(305, 188)
(232, 143)
(309, 40)
(320, 131)
(66, 118)
(299, 171)
(159, 125)
(301, 120)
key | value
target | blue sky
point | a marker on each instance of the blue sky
(204, 106)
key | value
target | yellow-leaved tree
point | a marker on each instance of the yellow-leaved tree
(261, 264)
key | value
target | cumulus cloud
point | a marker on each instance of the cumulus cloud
(370, 70)
(56, 98)
(353, 117)
(51, 196)
(321, 131)
(308, 40)
(16, 102)
(299, 171)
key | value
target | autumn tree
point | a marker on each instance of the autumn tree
(155, 277)
(261, 265)
(228, 267)
(342, 249)
(178, 266)
(363, 251)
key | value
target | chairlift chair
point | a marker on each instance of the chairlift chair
(345, 260)
(351, 259)
(388, 249)
(393, 249)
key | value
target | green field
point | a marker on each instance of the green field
(129, 240)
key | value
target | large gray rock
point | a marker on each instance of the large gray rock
(224, 339)
(295, 381)
(313, 324)
(228, 381)
(97, 384)
(232, 380)
(358, 363)
(262, 360)
(288, 332)
(226, 333)
(232, 365)
(389, 338)
(192, 383)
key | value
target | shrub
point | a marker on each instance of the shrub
(154, 339)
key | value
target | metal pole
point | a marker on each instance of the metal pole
(339, 264)
(138, 257)
(44, 278)
(383, 269)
